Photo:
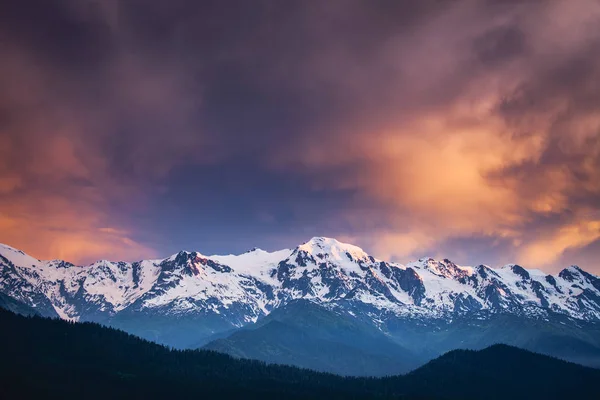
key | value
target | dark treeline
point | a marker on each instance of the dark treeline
(85, 360)
(42, 358)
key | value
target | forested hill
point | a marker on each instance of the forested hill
(85, 360)
(54, 358)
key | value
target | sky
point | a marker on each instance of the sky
(467, 130)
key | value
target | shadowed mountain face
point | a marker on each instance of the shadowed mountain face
(353, 302)
(10, 304)
(309, 335)
(305, 334)
(85, 360)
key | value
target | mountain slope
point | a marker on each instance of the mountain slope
(54, 358)
(556, 335)
(308, 335)
(501, 372)
(10, 304)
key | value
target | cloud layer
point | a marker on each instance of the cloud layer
(468, 129)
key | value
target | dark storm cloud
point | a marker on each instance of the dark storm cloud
(500, 44)
(408, 127)
(57, 35)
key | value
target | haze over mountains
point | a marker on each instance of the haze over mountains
(324, 305)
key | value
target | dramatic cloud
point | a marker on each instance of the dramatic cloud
(492, 130)
(465, 129)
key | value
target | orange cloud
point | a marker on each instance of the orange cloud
(72, 229)
(546, 250)
(80, 150)
(508, 155)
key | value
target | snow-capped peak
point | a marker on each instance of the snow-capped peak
(17, 257)
(256, 262)
(574, 268)
(333, 248)
(444, 268)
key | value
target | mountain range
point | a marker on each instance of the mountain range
(323, 305)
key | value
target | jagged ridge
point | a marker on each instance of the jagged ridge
(231, 291)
